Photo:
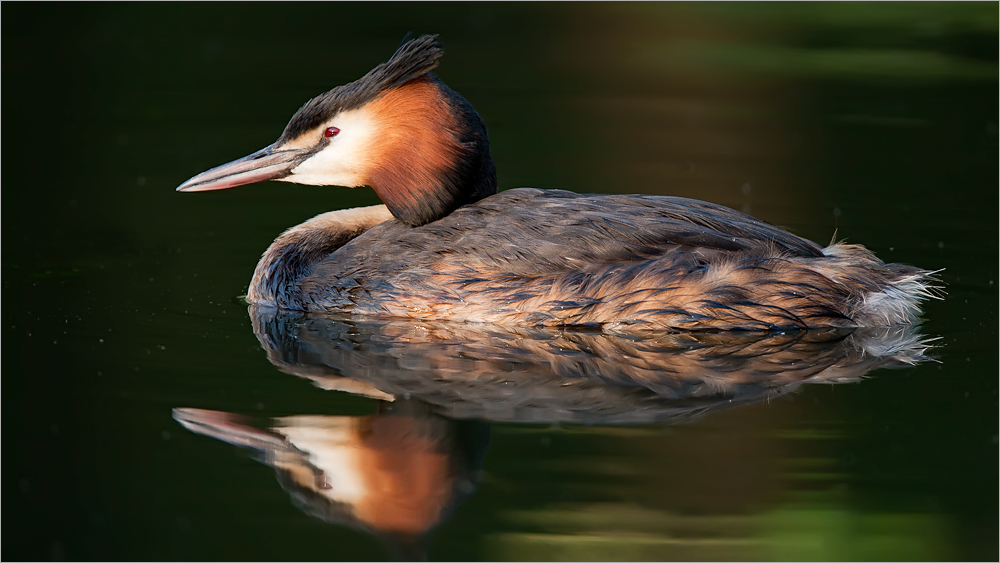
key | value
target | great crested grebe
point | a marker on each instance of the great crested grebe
(446, 245)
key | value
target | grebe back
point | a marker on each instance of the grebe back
(446, 245)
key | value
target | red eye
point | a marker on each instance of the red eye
(331, 131)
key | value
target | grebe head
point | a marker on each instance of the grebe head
(400, 130)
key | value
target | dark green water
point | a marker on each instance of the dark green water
(120, 296)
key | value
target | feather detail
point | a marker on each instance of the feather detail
(552, 258)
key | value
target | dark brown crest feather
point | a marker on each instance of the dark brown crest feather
(413, 59)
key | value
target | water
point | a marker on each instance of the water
(120, 296)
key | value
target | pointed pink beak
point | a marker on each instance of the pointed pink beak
(265, 164)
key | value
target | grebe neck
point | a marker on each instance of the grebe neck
(434, 155)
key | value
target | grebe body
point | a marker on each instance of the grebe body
(446, 245)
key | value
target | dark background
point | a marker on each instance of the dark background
(875, 121)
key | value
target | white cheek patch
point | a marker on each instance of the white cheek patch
(343, 162)
(335, 451)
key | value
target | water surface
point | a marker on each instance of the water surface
(875, 123)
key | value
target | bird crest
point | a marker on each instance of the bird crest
(413, 59)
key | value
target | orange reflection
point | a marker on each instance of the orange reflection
(394, 474)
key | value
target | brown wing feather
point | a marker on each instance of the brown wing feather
(530, 232)
(533, 257)
(571, 259)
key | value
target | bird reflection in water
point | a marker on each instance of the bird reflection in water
(399, 472)
(395, 474)
(508, 374)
